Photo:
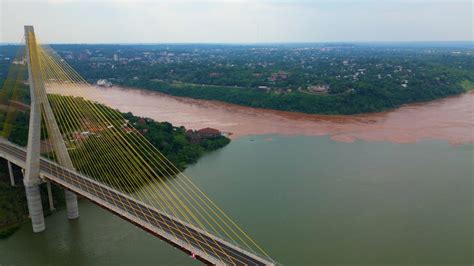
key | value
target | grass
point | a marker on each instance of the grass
(6, 231)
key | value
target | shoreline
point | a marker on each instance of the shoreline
(471, 90)
(448, 119)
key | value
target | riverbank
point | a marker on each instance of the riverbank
(450, 119)
(180, 146)
(13, 205)
(365, 99)
(13, 209)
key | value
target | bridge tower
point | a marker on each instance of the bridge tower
(39, 105)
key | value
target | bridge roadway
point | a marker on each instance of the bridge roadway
(177, 233)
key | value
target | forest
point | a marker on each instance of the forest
(170, 140)
(326, 78)
(310, 78)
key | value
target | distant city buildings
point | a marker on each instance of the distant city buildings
(312, 69)
(85, 55)
(104, 83)
(205, 133)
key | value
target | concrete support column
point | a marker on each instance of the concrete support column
(50, 197)
(32, 166)
(10, 171)
(35, 207)
(71, 204)
(39, 103)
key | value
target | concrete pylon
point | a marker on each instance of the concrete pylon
(39, 102)
(31, 178)
(62, 156)
(35, 208)
(71, 205)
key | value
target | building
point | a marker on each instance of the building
(84, 55)
(205, 133)
(214, 74)
(318, 88)
(104, 83)
(208, 133)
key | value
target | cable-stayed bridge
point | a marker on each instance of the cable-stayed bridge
(90, 150)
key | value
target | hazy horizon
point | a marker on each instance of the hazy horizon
(237, 21)
(438, 43)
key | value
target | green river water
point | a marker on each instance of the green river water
(306, 200)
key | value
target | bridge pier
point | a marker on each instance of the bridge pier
(71, 205)
(10, 171)
(35, 208)
(50, 196)
(31, 178)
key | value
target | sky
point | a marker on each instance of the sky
(237, 21)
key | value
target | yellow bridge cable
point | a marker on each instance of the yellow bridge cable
(99, 143)
(193, 184)
(199, 213)
(10, 90)
(175, 172)
(122, 119)
(68, 98)
(148, 150)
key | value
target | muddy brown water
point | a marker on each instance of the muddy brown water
(450, 119)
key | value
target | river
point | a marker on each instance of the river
(450, 119)
(332, 190)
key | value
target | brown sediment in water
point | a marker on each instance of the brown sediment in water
(450, 119)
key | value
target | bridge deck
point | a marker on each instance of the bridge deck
(178, 233)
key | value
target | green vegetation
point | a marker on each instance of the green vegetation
(13, 206)
(366, 99)
(310, 78)
(13, 118)
(171, 141)
(19, 127)
(14, 126)
(467, 85)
